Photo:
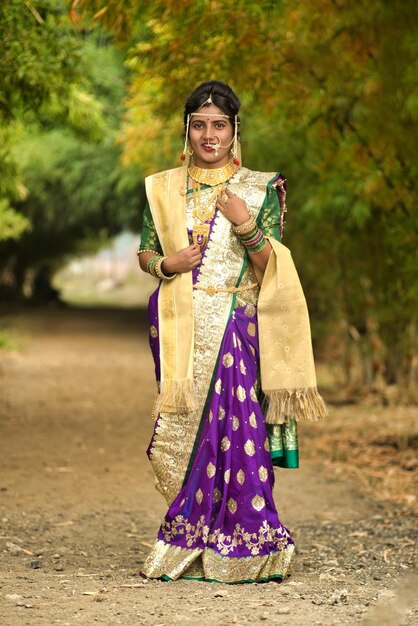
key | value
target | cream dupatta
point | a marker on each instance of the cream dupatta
(175, 301)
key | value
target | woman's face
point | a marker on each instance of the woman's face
(205, 132)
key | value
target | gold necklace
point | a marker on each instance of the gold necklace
(204, 212)
(211, 177)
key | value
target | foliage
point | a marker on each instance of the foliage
(41, 81)
(63, 191)
(12, 224)
(330, 95)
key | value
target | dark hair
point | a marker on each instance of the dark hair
(222, 96)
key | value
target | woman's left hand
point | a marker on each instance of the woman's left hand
(233, 207)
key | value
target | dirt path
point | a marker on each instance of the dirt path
(79, 511)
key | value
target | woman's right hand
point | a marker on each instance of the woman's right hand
(182, 261)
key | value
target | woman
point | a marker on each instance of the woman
(230, 337)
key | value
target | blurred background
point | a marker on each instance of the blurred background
(91, 101)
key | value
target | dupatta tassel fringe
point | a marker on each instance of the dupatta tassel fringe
(299, 404)
(176, 396)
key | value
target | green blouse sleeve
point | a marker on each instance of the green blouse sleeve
(270, 218)
(149, 237)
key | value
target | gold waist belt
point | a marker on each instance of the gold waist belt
(211, 289)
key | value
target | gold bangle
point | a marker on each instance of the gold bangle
(246, 227)
(141, 251)
(159, 272)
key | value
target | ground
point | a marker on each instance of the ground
(79, 511)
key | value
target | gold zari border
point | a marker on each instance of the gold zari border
(175, 562)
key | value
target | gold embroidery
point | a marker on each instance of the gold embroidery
(175, 562)
(252, 349)
(217, 495)
(241, 395)
(242, 367)
(218, 386)
(241, 477)
(199, 532)
(210, 470)
(253, 395)
(249, 447)
(253, 420)
(199, 496)
(232, 505)
(250, 310)
(234, 340)
(221, 413)
(251, 329)
(179, 526)
(235, 423)
(258, 503)
(228, 360)
(267, 444)
(225, 444)
(290, 434)
(227, 476)
(210, 416)
(153, 332)
(169, 455)
(233, 391)
(263, 473)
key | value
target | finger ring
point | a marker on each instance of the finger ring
(224, 198)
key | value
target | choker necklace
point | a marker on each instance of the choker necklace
(211, 177)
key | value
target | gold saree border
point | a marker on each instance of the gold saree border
(175, 562)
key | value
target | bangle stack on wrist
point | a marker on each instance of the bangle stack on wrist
(154, 268)
(251, 237)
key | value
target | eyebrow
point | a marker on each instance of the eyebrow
(213, 120)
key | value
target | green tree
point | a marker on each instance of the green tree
(330, 95)
(77, 193)
(39, 65)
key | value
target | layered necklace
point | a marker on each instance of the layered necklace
(203, 212)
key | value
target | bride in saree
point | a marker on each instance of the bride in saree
(230, 338)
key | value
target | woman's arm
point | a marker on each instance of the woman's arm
(182, 261)
(260, 259)
(235, 210)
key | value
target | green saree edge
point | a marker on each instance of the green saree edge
(265, 579)
(288, 459)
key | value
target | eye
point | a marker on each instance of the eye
(220, 125)
(198, 125)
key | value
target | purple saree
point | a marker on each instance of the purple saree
(222, 523)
